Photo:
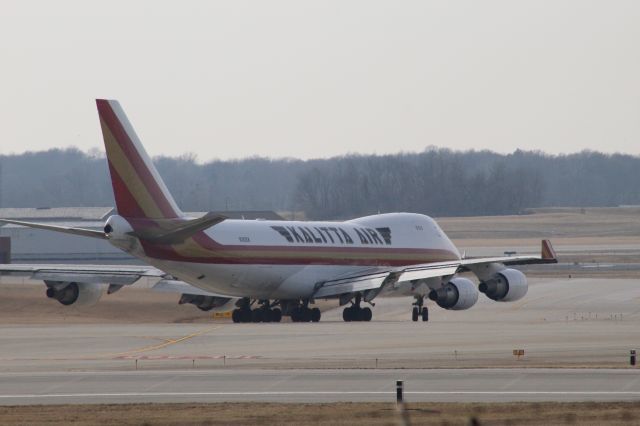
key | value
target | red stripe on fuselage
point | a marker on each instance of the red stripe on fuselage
(340, 255)
(171, 256)
(122, 138)
(206, 241)
(164, 252)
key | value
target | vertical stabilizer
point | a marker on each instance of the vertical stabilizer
(138, 189)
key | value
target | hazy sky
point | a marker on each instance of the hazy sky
(315, 79)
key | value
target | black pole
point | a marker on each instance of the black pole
(399, 391)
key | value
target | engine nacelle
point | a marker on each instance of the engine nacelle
(458, 294)
(73, 293)
(507, 285)
(207, 303)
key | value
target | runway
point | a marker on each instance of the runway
(237, 385)
(560, 323)
(576, 334)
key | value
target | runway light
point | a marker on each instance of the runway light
(632, 357)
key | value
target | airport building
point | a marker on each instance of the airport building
(29, 245)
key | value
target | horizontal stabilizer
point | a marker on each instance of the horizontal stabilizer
(180, 231)
(67, 230)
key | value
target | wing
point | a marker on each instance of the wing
(180, 287)
(375, 280)
(71, 284)
(547, 255)
(91, 274)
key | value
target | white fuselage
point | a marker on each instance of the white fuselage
(287, 259)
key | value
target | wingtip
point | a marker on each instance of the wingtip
(548, 253)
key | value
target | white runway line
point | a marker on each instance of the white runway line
(293, 393)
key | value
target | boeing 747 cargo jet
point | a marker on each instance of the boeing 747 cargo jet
(266, 269)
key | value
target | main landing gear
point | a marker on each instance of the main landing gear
(419, 310)
(263, 313)
(355, 312)
(266, 312)
(303, 313)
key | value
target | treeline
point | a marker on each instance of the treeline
(438, 182)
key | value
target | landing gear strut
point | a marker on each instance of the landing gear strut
(419, 310)
(355, 312)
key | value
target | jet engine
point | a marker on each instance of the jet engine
(73, 293)
(508, 285)
(458, 294)
(207, 303)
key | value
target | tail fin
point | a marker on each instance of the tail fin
(138, 189)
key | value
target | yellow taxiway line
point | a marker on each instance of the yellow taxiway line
(168, 342)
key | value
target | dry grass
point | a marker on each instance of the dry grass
(609, 223)
(586, 413)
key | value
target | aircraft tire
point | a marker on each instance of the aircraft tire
(425, 314)
(415, 314)
(236, 316)
(276, 315)
(365, 314)
(305, 315)
(257, 315)
(315, 315)
(346, 315)
(295, 315)
(246, 315)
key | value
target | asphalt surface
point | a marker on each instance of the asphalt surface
(560, 323)
(457, 356)
(488, 385)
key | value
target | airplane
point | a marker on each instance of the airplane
(263, 270)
